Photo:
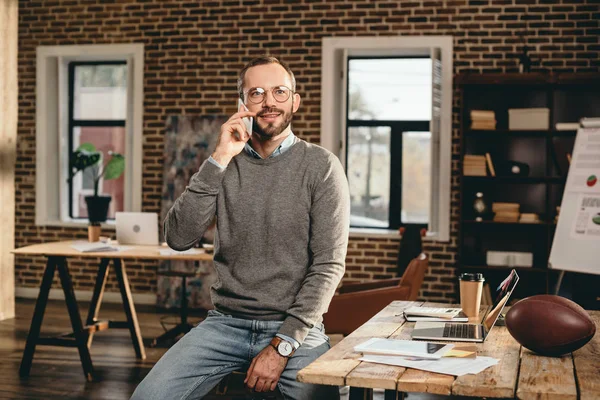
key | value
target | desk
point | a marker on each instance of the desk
(82, 336)
(519, 374)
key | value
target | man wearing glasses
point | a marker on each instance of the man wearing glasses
(282, 208)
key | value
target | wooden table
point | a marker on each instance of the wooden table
(82, 336)
(519, 374)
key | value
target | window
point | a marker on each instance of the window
(97, 115)
(388, 141)
(87, 93)
(386, 112)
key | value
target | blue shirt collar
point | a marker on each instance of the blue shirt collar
(283, 147)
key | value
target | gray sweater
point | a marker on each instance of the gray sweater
(282, 233)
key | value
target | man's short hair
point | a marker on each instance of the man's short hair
(262, 61)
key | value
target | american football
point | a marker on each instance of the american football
(550, 325)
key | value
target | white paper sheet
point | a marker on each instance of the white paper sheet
(448, 366)
(93, 247)
(171, 252)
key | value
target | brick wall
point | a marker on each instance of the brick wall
(194, 50)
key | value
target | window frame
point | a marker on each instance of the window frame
(335, 50)
(397, 129)
(52, 127)
(77, 123)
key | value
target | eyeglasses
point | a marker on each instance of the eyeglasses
(257, 95)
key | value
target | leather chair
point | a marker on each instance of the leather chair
(356, 303)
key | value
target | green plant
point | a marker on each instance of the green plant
(86, 156)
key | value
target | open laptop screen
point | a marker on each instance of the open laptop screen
(503, 293)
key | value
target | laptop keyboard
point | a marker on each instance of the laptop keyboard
(466, 331)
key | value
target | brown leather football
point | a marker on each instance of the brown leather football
(550, 325)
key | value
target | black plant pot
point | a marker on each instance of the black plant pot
(97, 208)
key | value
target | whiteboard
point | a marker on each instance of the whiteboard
(576, 245)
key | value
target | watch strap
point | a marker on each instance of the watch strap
(275, 343)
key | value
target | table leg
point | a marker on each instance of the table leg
(76, 323)
(132, 321)
(393, 395)
(38, 317)
(97, 297)
(357, 393)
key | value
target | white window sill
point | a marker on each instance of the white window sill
(384, 234)
(375, 233)
(109, 225)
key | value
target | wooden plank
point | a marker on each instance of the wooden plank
(64, 249)
(333, 367)
(9, 21)
(499, 380)
(587, 364)
(546, 378)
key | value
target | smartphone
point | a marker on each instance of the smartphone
(248, 121)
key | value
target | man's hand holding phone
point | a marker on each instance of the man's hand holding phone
(234, 135)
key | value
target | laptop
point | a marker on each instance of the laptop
(462, 332)
(137, 228)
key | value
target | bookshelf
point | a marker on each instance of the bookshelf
(568, 97)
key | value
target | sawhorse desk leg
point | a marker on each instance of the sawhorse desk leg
(132, 323)
(79, 338)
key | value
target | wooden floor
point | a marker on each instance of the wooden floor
(56, 372)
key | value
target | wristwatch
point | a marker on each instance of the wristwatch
(283, 347)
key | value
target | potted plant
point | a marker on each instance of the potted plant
(86, 156)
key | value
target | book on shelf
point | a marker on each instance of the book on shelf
(529, 218)
(590, 122)
(483, 120)
(506, 212)
(474, 165)
(490, 165)
(483, 114)
(469, 172)
(567, 126)
(499, 206)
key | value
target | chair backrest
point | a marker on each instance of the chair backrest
(414, 275)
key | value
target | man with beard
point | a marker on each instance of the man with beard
(282, 208)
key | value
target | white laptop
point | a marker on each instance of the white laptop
(137, 228)
(469, 332)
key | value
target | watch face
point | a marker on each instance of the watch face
(284, 348)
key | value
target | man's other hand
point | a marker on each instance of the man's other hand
(265, 370)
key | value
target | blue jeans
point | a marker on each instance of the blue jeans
(222, 344)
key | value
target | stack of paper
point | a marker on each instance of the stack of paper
(483, 120)
(434, 314)
(506, 212)
(91, 247)
(446, 365)
(404, 348)
(474, 165)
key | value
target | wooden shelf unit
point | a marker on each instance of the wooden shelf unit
(568, 97)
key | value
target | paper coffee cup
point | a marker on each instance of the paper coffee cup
(471, 288)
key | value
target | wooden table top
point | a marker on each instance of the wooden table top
(519, 374)
(134, 251)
